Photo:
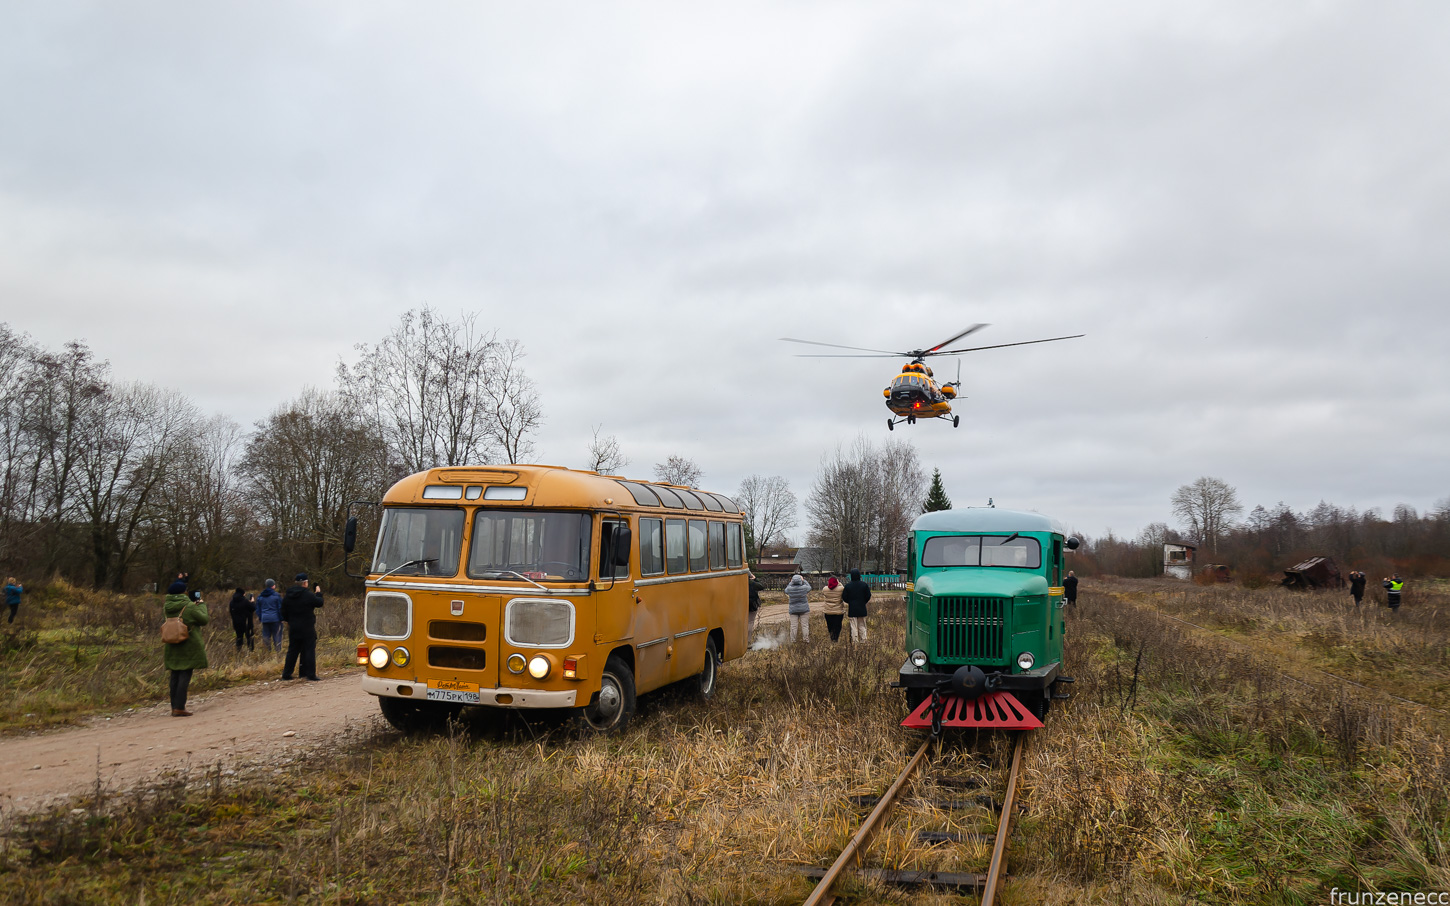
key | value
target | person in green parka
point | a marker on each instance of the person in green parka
(184, 657)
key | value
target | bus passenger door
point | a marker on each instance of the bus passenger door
(613, 598)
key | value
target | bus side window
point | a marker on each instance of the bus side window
(1056, 562)
(675, 560)
(651, 547)
(911, 560)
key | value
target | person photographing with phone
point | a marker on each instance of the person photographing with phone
(299, 612)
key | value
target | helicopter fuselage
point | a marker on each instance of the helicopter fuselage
(913, 394)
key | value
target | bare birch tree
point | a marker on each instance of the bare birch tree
(605, 455)
(769, 507)
(1206, 508)
(512, 402)
(427, 387)
(679, 470)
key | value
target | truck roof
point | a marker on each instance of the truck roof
(985, 519)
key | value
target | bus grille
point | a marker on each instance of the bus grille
(453, 658)
(969, 628)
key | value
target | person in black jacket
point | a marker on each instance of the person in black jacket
(1069, 588)
(1356, 586)
(241, 609)
(299, 612)
(856, 594)
(756, 587)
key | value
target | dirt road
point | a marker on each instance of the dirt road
(246, 731)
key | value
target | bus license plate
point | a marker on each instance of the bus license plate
(462, 693)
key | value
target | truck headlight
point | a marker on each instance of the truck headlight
(516, 663)
(918, 659)
(401, 657)
(1025, 660)
(378, 657)
(538, 666)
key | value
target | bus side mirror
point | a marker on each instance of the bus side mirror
(349, 535)
(1072, 544)
(622, 541)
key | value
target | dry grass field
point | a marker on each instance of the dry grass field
(1188, 768)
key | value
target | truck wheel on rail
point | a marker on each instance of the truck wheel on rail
(613, 705)
(702, 684)
(417, 717)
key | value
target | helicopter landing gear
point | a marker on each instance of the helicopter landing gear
(956, 420)
(890, 425)
(911, 419)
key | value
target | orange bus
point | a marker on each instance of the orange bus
(544, 587)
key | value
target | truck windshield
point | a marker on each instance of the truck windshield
(427, 539)
(535, 544)
(982, 550)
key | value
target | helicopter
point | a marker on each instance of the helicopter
(915, 393)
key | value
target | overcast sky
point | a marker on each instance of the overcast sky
(1243, 206)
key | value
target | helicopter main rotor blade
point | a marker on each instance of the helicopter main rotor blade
(973, 329)
(839, 346)
(1002, 345)
(847, 355)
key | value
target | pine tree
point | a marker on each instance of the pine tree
(936, 495)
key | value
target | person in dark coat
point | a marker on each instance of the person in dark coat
(1069, 588)
(181, 658)
(756, 587)
(242, 608)
(856, 594)
(299, 612)
(269, 614)
(1356, 586)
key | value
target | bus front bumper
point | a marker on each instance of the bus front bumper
(512, 698)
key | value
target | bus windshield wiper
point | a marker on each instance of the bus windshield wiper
(509, 572)
(418, 562)
(1012, 537)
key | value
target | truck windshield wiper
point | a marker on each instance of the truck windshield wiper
(405, 566)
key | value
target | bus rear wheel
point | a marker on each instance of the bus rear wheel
(702, 684)
(417, 717)
(613, 704)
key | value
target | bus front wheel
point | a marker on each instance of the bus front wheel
(613, 705)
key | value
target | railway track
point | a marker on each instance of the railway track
(987, 884)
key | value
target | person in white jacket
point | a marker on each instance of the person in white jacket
(800, 609)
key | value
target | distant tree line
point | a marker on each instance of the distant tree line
(1270, 539)
(119, 484)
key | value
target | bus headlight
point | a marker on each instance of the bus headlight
(918, 659)
(516, 663)
(1025, 660)
(401, 657)
(378, 657)
(538, 666)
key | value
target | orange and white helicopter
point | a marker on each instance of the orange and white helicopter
(914, 393)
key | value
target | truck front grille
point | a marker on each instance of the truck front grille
(969, 629)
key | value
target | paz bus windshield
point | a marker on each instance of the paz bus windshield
(419, 541)
(536, 544)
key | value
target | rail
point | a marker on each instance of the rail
(988, 884)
